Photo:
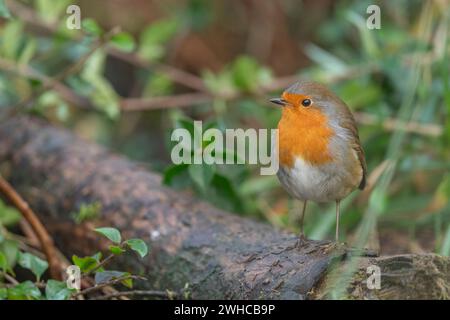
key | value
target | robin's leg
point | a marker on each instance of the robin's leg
(301, 237)
(350, 251)
(337, 219)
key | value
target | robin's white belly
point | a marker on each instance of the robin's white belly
(319, 183)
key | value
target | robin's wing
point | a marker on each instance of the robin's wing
(348, 122)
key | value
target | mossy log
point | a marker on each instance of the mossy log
(219, 254)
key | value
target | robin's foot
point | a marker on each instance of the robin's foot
(301, 241)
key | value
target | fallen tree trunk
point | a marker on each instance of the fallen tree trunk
(220, 255)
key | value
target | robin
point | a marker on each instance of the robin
(320, 156)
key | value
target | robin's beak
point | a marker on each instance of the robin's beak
(279, 101)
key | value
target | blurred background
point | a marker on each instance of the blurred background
(173, 62)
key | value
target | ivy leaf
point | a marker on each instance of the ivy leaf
(128, 283)
(90, 26)
(3, 293)
(222, 193)
(110, 233)
(87, 211)
(3, 262)
(116, 250)
(24, 291)
(10, 250)
(153, 38)
(102, 93)
(123, 41)
(247, 74)
(177, 176)
(8, 215)
(33, 263)
(85, 264)
(139, 246)
(57, 290)
(98, 256)
(105, 276)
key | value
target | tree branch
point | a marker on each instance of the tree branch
(44, 238)
(219, 255)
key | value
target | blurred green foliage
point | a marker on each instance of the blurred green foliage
(397, 73)
(15, 253)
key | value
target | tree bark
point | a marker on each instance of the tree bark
(220, 255)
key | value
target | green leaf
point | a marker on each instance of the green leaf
(11, 39)
(221, 83)
(51, 99)
(98, 256)
(9, 216)
(85, 264)
(3, 262)
(90, 26)
(10, 250)
(24, 291)
(110, 233)
(173, 172)
(50, 10)
(158, 84)
(57, 290)
(28, 51)
(123, 41)
(152, 39)
(4, 12)
(102, 93)
(33, 263)
(139, 246)
(106, 276)
(88, 211)
(202, 175)
(3, 293)
(116, 250)
(223, 194)
(128, 283)
(247, 74)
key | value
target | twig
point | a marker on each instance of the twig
(44, 238)
(182, 77)
(149, 293)
(164, 102)
(10, 279)
(390, 124)
(106, 284)
(101, 264)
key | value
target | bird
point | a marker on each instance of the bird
(318, 147)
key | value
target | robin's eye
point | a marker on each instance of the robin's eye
(306, 102)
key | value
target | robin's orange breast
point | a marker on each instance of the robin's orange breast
(304, 133)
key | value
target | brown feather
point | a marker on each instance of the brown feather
(348, 122)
